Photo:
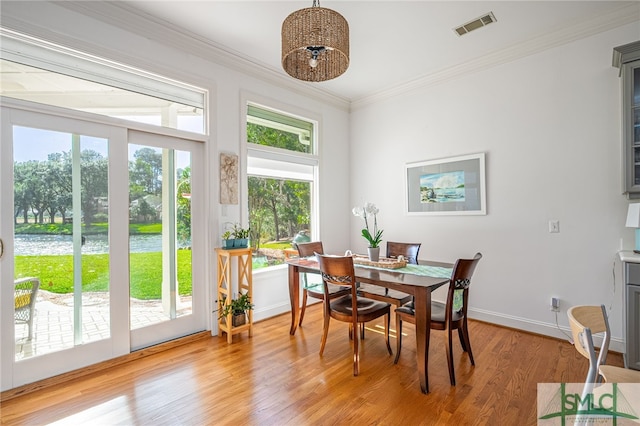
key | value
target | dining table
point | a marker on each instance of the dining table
(418, 280)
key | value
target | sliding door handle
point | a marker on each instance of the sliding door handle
(1, 248)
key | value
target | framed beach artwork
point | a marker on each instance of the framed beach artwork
(448, 186)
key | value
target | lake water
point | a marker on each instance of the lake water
(26, 245)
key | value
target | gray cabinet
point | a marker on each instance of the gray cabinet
(632, 315)
(627, 58)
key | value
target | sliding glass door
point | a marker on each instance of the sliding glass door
(59, 308)
(99, 257)
(165, 187)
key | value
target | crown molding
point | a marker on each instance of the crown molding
(616, 18)
(124, 16)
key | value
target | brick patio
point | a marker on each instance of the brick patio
(53, 321)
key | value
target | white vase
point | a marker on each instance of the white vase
(374, 253)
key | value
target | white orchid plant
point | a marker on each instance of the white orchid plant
(368, 210)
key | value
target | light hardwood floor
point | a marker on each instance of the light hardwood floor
(277, 379)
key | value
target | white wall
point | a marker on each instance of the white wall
(550, 127)
(92, 27)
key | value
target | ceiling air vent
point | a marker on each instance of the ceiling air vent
(475, 24)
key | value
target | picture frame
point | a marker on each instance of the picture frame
(446, 186)
(228, 178)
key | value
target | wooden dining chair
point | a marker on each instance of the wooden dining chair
(315, 289)
(349, 308)
(447, 316)
(585, 322)
(410, 252)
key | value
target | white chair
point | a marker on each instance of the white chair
(585, 322)
(24, 296)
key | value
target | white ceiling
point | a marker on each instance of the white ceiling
(393, 42)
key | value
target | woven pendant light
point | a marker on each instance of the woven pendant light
(315, 44)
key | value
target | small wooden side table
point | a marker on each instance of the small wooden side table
(226, 288)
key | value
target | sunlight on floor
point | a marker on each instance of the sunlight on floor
(113, 411)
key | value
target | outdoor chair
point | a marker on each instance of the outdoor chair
(25, 292)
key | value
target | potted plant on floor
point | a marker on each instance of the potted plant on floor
(238, 308)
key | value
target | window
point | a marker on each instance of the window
(282, 175)
(38, 71)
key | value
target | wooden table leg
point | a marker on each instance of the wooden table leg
(422, 305)
(294, 297)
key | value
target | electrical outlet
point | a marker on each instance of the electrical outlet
(555, 304)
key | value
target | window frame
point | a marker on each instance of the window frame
(68, 63)
(312, 160)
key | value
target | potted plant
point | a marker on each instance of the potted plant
(238, 237)
(237, 308)
(241, 236)
(227, 242)
(374, 239)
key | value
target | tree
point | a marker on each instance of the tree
(278, 208)
(94, 179)
(258, 195)
(146, 170)
(184, 204)
(21, 197)
(37, 190)
(59, 183)
(143, 210)
(262, 135)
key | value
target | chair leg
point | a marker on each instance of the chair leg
(356, 354)
(467, 341)
(362, 330)
(462, 342)
(398, 338)
(30, 328)
(303, 307)
(325, 332)
(387, 325)
(452, 374)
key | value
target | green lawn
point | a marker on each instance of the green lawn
(56, 273)
(95, 228)
(280, 245)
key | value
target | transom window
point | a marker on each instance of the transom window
(38, 71)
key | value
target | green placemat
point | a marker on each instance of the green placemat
(422, 270)
(426, 270)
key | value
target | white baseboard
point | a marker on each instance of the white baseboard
(271, 311)
(519, 323)
(538, 327)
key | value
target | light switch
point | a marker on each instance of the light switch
(554, 226)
